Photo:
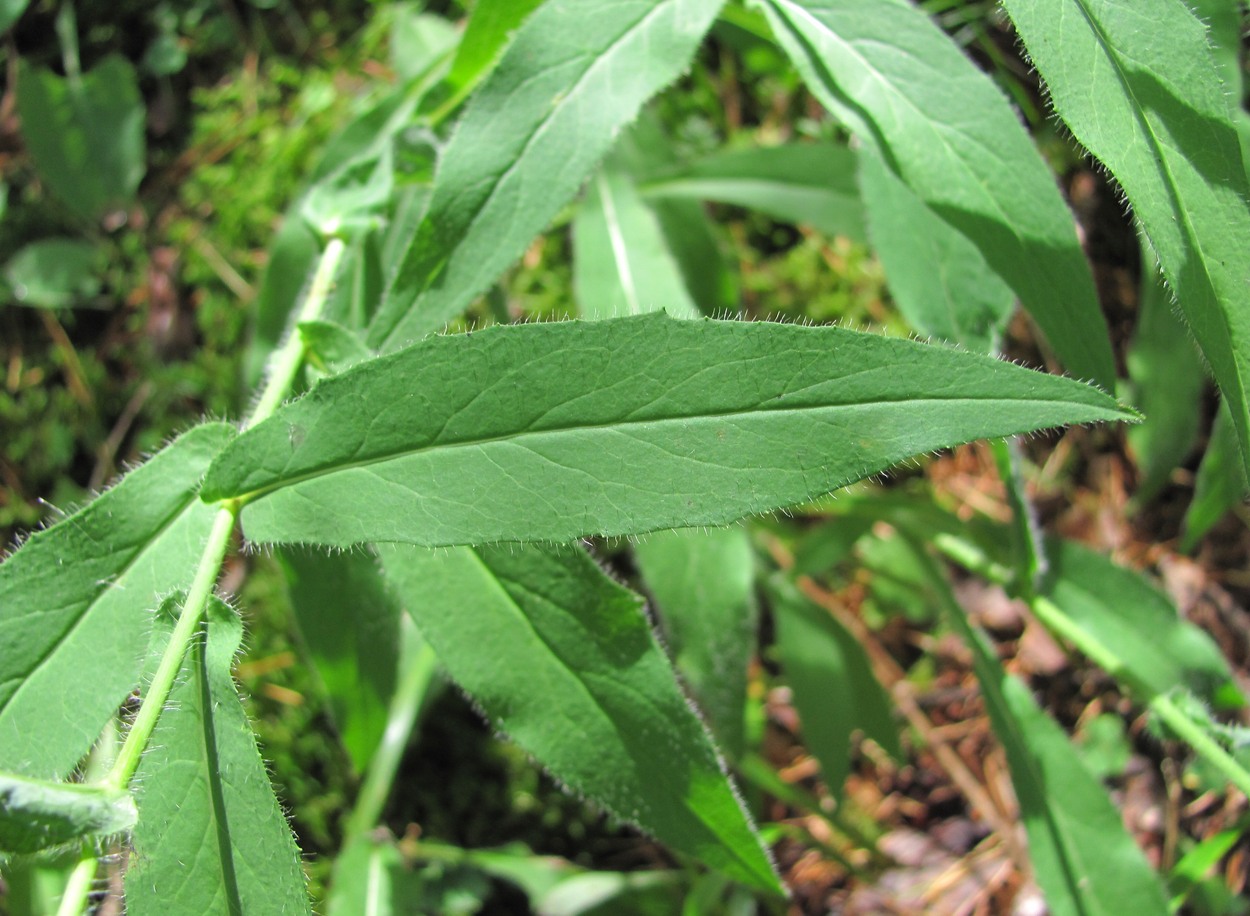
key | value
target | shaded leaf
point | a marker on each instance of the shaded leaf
(332, 347)
(903, 87)
(1221, 481)
(703, 583)
(561, 659)
(211, 836)
(54, 273)
(75, 602)
(1162, 124)
(574, 75)
(36, 814)
(550, 432)
(86, 135)
(490, 28)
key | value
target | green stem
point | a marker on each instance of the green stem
(78, 887)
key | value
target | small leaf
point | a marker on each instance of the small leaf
(418, 40)
(574, 75)
(75, 601)
(703, 584)
(331, 346)
(10, 12)
(902, 86)
(350, 626)
(37, 815)
(623, 426)
(835, 691)
(938, 278)
(561, 658)
(621, 262)
(54, 273)
(809, 183)
(1161, 122)
(211, 836)
(86, 134)
(1221, 482)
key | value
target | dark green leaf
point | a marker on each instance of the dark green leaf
(561, 658)
(554, 431)
(904, 87)
(76, 600)
(37, 815)
(1221, 482)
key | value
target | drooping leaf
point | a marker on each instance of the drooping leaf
(703, 585)
(809, 183)
(1167, 384)
(76, 601)
(562, 660)
(86, 134)
(938, 278)
(490, 27)
(623, 426)
(211, 836)
(1221, 481)
(574, 75)
(621, 261)
(903, 86)
(36, 814)
(350, 626)
(54, 273)
(1161, 121)
(834, 689)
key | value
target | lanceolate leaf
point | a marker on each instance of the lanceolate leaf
(812, 183)
(1162, 123)
(704, 585)
(490, 28)
(575, 74)
(561, 658)
(902, 86)
(76, 600)
(621, 263)
(211, 836)
(1221, 481)
(623, 426)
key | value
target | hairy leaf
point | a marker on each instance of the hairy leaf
(623, 426)
(1161, 121)
(211, 836)
(811, 183)
(561, 658)
(575, 74)
(621, 262)
(904, 88)
(75, 602)
(703, 584)
(36, 814)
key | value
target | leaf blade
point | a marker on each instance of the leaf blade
(619, 426)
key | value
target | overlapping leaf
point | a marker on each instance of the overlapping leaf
(211, 836)
(623, 426)
(36, 814)
(1162, 123)
(904, 87)
(576, 72)
(562, 660)
(76, 599)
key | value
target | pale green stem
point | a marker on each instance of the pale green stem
(1055, 620)
(418, 665)
(78, 887)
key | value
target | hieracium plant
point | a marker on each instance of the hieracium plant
(448, 479)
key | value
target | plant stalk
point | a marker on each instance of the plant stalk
(78, 887)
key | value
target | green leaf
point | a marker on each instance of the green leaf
(1167, 385)
(1161, 122)
(332, 347)
(938, 278)
(291, 257)
(490, 28)
(75, 602)
(1121, 609)
(418, 40)
(54, 273)
(810, 183)
(575, 74)
(903, 87)
(350, 626)
(86, 135)
(621, 262)
(834, 689)
(211, 836)
(561, 659)
(37, 815)
(1221, 482)
(623, 426)
(10, 12)
(703, 585)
